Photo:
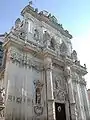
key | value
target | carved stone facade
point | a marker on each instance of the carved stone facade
(42, 79)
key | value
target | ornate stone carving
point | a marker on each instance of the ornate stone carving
(36, 35)
(22, 34)
(85, 66)
(2, 95)
(57, 83)
(2, 115)
(74, 55)
(60, 95)
(38, 109)
(38, 88)
(30, 3)
(74, 77)
(63, 49)
(53, 19)
(67, 72)
(17, 23)
(52, 44)
(46, 39)
(19, 30)
(21, 59)
(77, 62)
(59, 91)
(36, 10)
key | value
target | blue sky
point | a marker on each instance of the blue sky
(73, 14)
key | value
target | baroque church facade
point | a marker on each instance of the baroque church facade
(41, 77)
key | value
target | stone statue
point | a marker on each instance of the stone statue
(36, 34)
(38, 96)
(53, 18)
(56, 84)
(52, 43)
(63, 49)
(2, 113)
(38, 88)
(36, 10)
(74, 55)
(46, 39)
(30, 3)
(17, 23)
(67, 72)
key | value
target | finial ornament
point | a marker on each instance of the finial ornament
(30, 3)
(85, 65)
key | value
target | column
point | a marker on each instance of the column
(49, 93)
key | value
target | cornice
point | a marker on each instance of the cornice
(42, 53)
(79, 69)
(42, 17)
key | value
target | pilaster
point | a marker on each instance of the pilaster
(71, 99)
(81, 107)
(50, 97)
(87, 101)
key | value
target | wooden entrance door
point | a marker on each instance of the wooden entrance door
(60, 111)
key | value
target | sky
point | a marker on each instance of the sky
(74, 15)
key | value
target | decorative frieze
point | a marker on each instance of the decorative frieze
(19, 99)
(24, 59)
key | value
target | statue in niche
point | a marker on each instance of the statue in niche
(57, 84)
(52, 43)
(38, 88)
(38, 96)
(36, 34)
(46, 39)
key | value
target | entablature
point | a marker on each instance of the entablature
(39, 51)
